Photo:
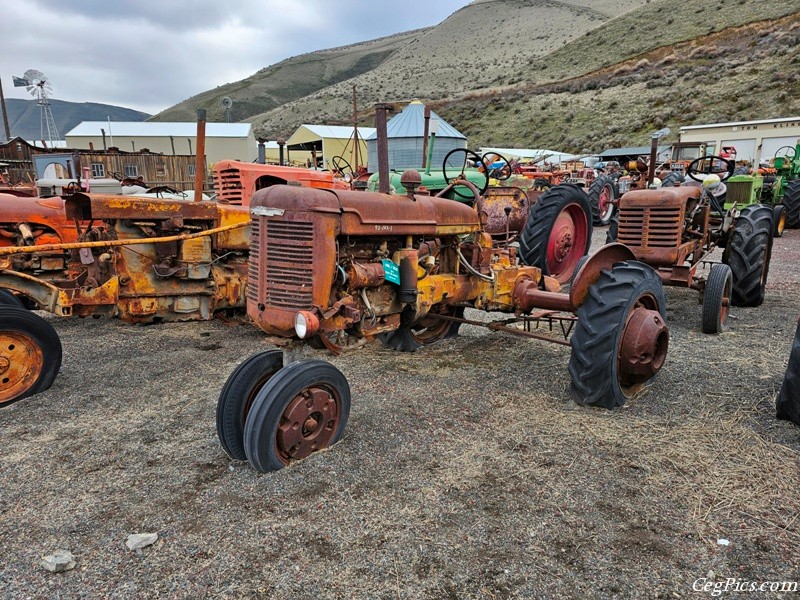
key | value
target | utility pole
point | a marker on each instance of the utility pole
(5, 112)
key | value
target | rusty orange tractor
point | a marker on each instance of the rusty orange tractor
(335, 268)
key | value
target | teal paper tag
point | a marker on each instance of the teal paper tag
(391, 271)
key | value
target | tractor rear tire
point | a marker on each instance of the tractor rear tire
(601, 373)
(791, 200)
(30, 352)
(9, 298)
(302, 409)
(558, 231)
(717, 299)
(748, 253)
(778, 220)
(237, 396)
(787, 406)
(670, 179)
(601, 196)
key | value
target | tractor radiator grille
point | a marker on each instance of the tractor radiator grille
(650, 226)
(253, 262)
(288, 264)
(739, 192)
(228, 183)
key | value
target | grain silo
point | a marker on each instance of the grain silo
(406, 139)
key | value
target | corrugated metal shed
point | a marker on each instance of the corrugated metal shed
(327, 142)
(158, 129)
(405, 132)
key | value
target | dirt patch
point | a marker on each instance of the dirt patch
(465, 472)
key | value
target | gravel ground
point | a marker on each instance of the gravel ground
(465, 471)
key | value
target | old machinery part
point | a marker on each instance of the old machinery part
(411, 336)
(496, 165)
(303, 408)
(237, 396)
(748, 253)
(9, 298)
(621, 339)
(558, 232)
(717, 299)
(30, 354)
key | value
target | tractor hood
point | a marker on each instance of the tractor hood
(368, 213)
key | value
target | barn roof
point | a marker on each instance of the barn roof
(410, 123)
(158, 129)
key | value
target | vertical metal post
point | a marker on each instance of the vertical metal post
(651, 171)
(356, 148)
(262, 152)
(425, 132)
(200, 159)
(381, 111)
(281, 144)
(5, 112)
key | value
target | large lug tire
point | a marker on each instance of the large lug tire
(303, 408)
(621, 338)
(601, 197)
(671, 178)
(788, 403)
(791, 200)
(558, 231)
(717, 299)
(30, 354)
(237, 397)
(409, 337)
(8, 298)
(748, 253)
(778, 220)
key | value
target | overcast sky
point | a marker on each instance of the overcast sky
(151, 54)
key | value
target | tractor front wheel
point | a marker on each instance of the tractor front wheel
(303, 408)
(788, 403)
(791, 200)
(558, 231)
(237, 396)
(717, 299)
(30, 354)
(748, 252)
(778, 220)
(601, 198)
(621, 339)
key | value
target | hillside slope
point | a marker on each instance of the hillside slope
(289, 80)
(24, 117)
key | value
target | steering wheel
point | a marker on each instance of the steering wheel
(72, 188)
(501, 171)
(710, 165)
(340, 164)
(458, 159)
(116, 175)
(791, 156)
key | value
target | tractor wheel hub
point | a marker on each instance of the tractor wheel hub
(644, 343)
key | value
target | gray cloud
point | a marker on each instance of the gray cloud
(151, 54)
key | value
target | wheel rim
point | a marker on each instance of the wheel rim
(604, 203)
(643, 345)
(21, 364)
(308, 423)
(567, 242)
(430, 329)
(726, 303)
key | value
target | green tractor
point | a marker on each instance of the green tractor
(778, 187)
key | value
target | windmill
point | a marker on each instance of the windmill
(227, 103)
(40, 88)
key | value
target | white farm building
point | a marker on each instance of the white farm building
(224, 141)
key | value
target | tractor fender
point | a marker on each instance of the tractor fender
(589, 272)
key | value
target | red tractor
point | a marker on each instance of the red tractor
(675, 229)
(336, 268)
